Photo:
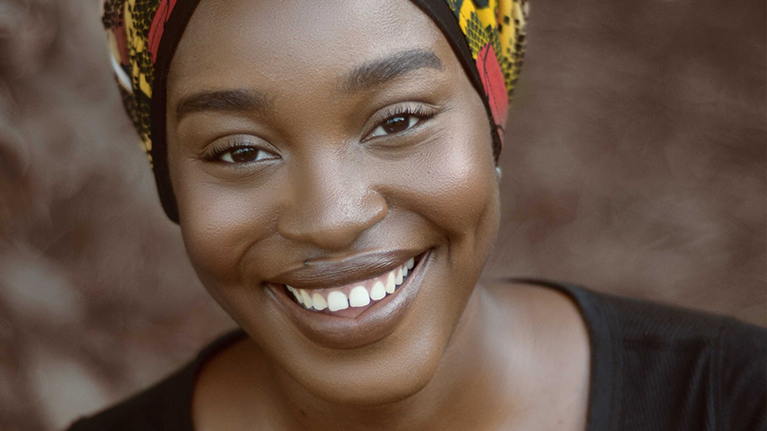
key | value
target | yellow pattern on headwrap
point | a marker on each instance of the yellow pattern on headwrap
(502, 23)
(127, 23)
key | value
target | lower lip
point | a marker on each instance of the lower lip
(372, 325)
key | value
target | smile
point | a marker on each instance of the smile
(355, 313)
(358, 295)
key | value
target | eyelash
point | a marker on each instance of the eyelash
(218, 153)
(416, 111)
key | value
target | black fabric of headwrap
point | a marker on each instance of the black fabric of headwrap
(174, 29)
(437, 10)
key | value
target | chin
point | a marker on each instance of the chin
(379, 391)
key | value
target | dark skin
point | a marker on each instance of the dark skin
(302, 152)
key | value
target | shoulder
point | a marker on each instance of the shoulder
(743, 375)
(161, 407)
(682, 369)
(662, 367)
(643, 325)
(642, 322)
(691, 367)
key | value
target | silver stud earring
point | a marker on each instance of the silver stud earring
(498, 172)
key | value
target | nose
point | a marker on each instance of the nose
(329, 205)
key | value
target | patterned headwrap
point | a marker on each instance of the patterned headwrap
(487, 36)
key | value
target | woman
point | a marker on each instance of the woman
(332, 166)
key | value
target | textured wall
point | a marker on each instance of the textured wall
(635, 163)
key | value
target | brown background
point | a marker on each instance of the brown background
(635, 163)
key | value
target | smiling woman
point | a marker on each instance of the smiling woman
(342, 200)
(333, 169)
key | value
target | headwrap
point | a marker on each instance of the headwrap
(487, 37)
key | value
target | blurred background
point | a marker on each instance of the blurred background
(634, 164)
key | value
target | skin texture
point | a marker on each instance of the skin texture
(463, 356)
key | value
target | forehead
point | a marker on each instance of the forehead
(294, 40)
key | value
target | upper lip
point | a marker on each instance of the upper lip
(330, 272)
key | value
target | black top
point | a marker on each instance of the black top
(653, 368)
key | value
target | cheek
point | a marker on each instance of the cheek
(453, 185)
(467, 189)
(219, 223)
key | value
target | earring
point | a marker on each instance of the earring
(498, 172)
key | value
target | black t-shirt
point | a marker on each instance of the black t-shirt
(653, 367)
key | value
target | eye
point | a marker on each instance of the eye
(399, 120)
(244, 155)
(235, 151)
(396, 124)
(239, 153)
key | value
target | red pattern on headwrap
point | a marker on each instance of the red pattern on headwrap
(495, 87)
(157, 28)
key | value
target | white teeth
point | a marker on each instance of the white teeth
(296, 294)
(337, 301)
(293, 291)
(319, 302)
(307, 299)
(359, 297)
(378, 291)
(390, 286)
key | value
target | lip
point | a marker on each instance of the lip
(323, 273)
(372, 325)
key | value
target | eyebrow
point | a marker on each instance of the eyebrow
(380, 71)
(374, 73)
(223, 101)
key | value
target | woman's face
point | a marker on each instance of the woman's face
(322, 145)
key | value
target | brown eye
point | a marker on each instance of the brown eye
(395, 124)
(244, 155)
